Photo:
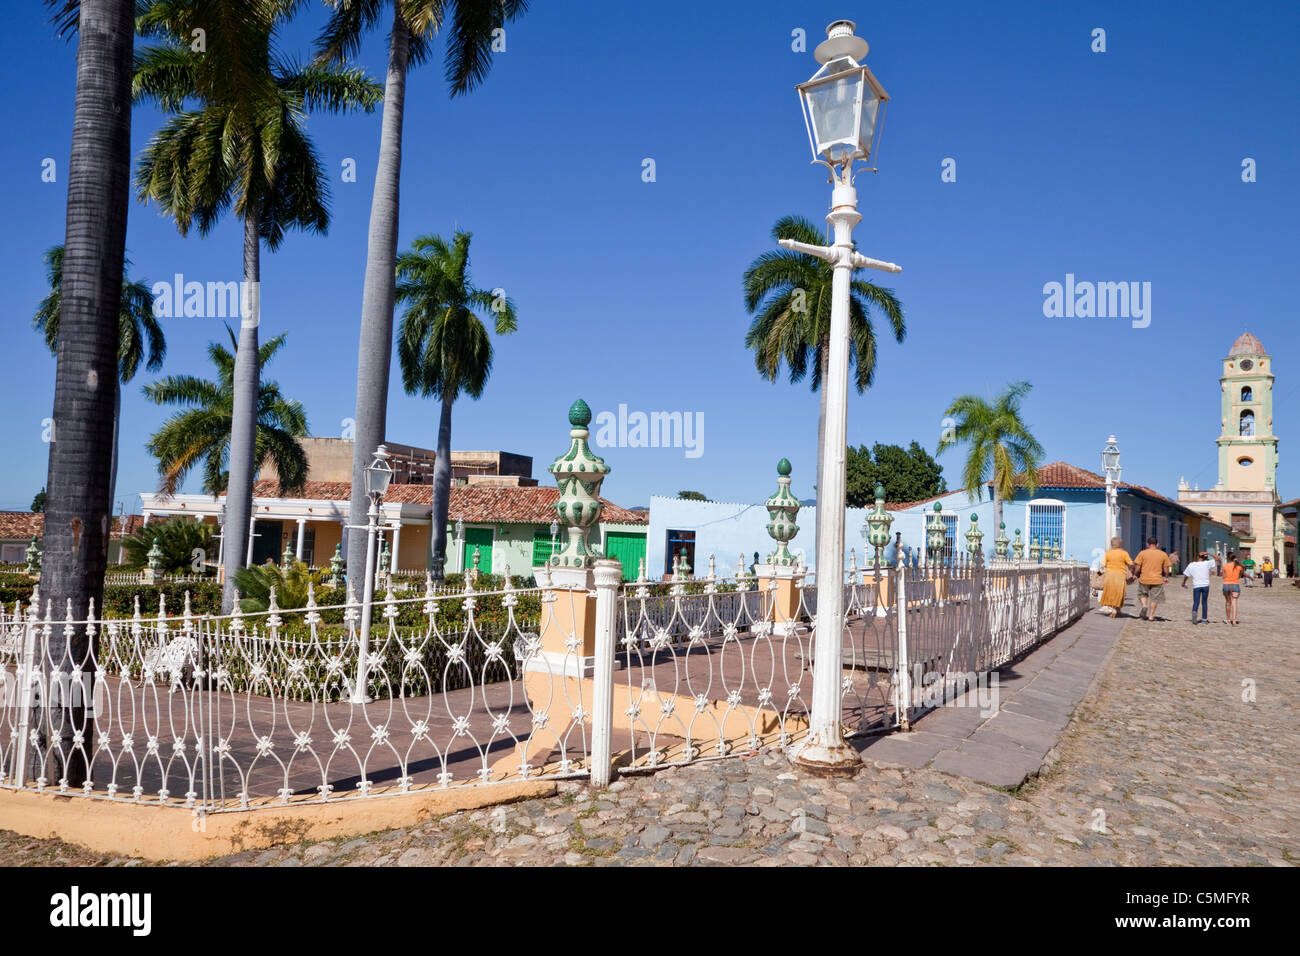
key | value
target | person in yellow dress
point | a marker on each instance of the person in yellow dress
(1118, 563)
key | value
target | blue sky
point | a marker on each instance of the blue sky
(1115, 166)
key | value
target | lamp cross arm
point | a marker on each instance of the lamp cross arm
(835, 255)
(821, 252)
(860, 261)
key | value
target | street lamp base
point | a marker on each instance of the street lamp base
(836, 760)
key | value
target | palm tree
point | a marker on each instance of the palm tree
(203, 433)
(292, 586)
(181, 540)
(139, 331)
(242, 145)
(473, 28)
(1000, 444)
(444, 348)
(789, 295)
(79, 507)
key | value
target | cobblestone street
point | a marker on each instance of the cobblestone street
(1169, 761)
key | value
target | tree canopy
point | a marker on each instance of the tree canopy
(908, 474)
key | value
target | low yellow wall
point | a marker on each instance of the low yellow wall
(157, 832)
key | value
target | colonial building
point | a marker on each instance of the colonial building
(1068, 509)
(1245, 496)
(496, 511)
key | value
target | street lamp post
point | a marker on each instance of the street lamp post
(1110, 464)
(843, 104)
(378, 475)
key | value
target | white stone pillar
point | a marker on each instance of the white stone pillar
(302, 533)
(397, 540)
(252, 527)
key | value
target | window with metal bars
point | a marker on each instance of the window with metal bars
(1046, 522)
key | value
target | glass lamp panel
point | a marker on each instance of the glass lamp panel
(833, 108)
(378, 475)
(871, 104)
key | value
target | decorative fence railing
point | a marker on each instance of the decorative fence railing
(252, 710)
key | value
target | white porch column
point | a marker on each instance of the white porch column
(147, 516)
(302, 533)
(252, 526)
(397, 540)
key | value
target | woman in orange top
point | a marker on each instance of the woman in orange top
(1118, 563)
(1232, 569)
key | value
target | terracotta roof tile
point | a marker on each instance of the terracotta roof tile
(505, 504)
(24, 524)
(20, 524)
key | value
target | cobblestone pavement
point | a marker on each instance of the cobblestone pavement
(1169, 761)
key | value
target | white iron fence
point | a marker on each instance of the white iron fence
(477, 687)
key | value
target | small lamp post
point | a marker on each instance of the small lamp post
(378, 475)
(842, 107)
(1110, 464)
(936, 534)
(974, 537)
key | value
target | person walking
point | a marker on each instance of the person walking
(1174, 562)
(1118, 566)
(1248, 571)
(1267, 570)
(1232, 571)
(1199, 574)
(1153, 572)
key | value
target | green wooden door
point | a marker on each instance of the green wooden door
(480, 538)
(628, 548)
(266, 543)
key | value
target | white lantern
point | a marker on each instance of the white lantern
(844, 104)
(378, 475)
(1110, 460)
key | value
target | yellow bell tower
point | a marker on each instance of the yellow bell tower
(1245, 495)
(1247, 445)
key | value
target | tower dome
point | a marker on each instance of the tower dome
(1247, 344)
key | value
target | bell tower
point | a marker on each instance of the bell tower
(1247, 444)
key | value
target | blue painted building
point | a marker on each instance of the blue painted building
(1069, 506)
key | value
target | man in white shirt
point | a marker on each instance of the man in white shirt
(1199, 572)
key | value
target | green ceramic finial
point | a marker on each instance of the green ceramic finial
(579, 414)
(782, 510)
(880, 492)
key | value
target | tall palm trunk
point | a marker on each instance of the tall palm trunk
(374, 353)
(79, 501)
(997, 508)
(243, 419)
(441, 492)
